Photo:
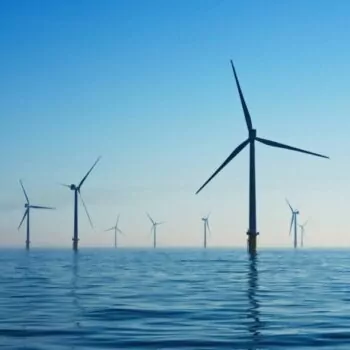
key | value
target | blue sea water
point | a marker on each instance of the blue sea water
(174, 299)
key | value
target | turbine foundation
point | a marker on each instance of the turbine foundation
(252, 240)
(75, 244)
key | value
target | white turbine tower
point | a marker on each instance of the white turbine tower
(251, 141)
(302, 232)
(206, 227)
(27, 207)
(77, 192)
(116, 230)
(294, 221)
(154, 229)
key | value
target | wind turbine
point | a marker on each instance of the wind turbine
(116, 231)
(77, 192)
(154, 229)
(252, 230)
(27, 207)
(206, 226)
(302, 232)
(294, 221)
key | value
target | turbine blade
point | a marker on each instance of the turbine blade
(40, 207)
(87, 213)
(88, 173)
(291, 225)
(24, 216)
(149, 216)
(120, 231)
(160, 223)
(230, 157)
(244, 105)
(116, 225)
(64, 185)
(280, 145)
(24, 191)
(110, 229)
(289, 205)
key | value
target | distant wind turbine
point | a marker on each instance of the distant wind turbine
(206, 226)
(252, 231)
(116, 230)
(154, 229)
(294, 221)
(77, 192)
(27, 207)
(302, 232)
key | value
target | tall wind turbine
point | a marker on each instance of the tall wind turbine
(77, 192)
(116, 230)
(27, 207)
(154, 229)
(252, 137)
(294, 221)
(302, 232)
(206, 226)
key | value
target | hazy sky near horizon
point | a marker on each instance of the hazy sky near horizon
(148, 85)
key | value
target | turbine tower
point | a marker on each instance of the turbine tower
(76, 189)
(294, 221)
(154, 229)
(302, 232)
(27, 207)
(206, 226)
(116, 231)
(252, 137)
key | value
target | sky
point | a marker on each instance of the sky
(149, 87)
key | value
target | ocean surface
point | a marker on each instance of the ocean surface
(174, 299)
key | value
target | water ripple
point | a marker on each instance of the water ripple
(173, 299)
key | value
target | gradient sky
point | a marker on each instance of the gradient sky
(148, 86)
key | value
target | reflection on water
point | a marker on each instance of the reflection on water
(174, 299)
(253, 313)
(75, 291)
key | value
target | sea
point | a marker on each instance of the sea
(174, 299)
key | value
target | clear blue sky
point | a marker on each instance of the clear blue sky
(148, 86)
